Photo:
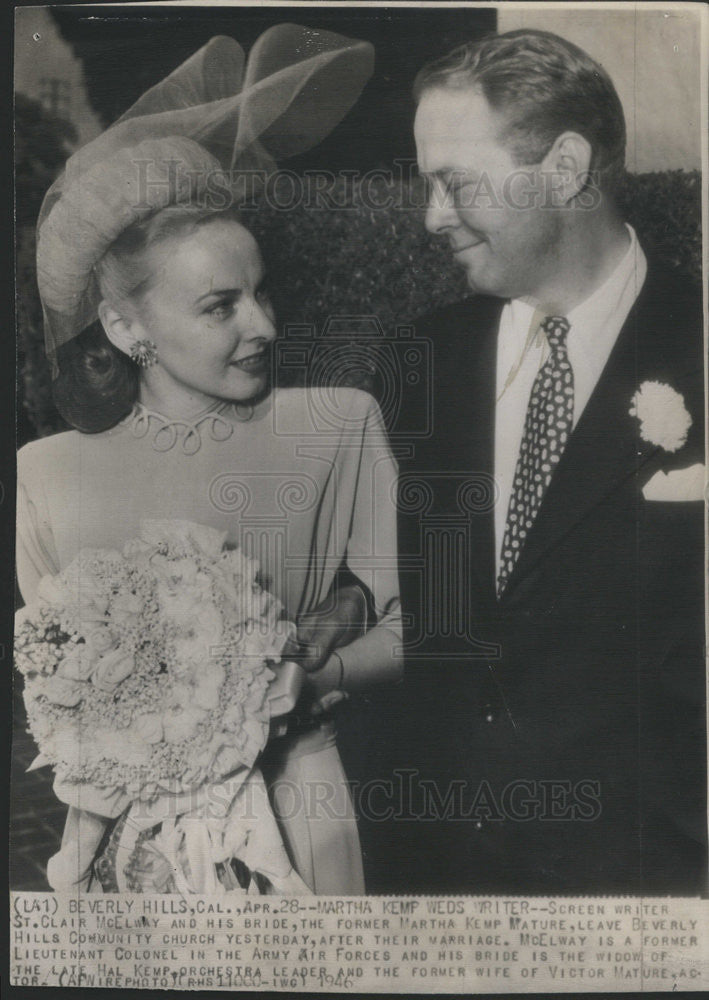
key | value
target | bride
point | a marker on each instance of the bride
(171, 398)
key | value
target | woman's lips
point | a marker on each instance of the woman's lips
(253, 363)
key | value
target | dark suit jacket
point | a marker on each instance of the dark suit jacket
(554, 740)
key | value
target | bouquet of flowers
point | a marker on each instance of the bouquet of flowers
(146, 687)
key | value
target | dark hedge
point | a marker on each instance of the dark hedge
(354, 259)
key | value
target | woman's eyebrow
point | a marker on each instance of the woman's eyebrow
(218, 291)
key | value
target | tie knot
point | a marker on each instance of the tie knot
(556, 329)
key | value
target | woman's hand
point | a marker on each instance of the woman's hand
(285, 689)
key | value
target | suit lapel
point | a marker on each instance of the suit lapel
(467, 407)
(656, 342)
(481, 449)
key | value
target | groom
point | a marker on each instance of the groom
(556, 686)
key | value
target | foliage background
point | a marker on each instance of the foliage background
(358, 250)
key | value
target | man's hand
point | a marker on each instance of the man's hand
(338, 621)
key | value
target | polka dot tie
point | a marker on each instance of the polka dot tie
(549, 421)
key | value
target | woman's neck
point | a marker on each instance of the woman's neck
(170, 399)
(180, 403)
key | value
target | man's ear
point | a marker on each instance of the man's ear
(117, 327)
(569, 160)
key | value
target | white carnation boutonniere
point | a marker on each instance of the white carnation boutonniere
(664, 420)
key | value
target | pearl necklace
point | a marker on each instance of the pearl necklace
(167, 431)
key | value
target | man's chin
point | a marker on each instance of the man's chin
(477, 283)
(481, 282)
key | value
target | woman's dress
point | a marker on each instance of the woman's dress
(304, 481)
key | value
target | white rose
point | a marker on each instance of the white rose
(112, 669)
(86, 598)
(181, 723)
(137, 551)
(184, 533)
(257, 645)
(177, 603)
(63, 691)
(208, 685)
(121, 746)
(77, 665)
(126, 607)
(209, 620)
(189, 651)
(100, 640)
(149, 727)
(180, 696)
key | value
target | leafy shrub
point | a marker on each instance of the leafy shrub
(42, 144)
(360, 250)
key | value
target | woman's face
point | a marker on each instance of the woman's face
(208, 314)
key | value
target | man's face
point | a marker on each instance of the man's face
(488, 206)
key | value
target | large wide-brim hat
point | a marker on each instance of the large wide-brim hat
(217, 113)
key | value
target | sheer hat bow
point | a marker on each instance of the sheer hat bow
(219, 114)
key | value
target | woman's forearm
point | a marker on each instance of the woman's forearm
(374, 658)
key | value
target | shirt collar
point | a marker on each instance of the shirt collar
(626, 278)
(621, 288)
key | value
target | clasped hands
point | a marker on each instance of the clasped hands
(319, 683)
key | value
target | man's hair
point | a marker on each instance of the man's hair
(541, 85)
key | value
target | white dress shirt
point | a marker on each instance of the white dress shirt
(522, 349)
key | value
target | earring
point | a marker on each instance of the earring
(144, 353)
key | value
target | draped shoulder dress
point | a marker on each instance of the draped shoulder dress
(304, 480)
